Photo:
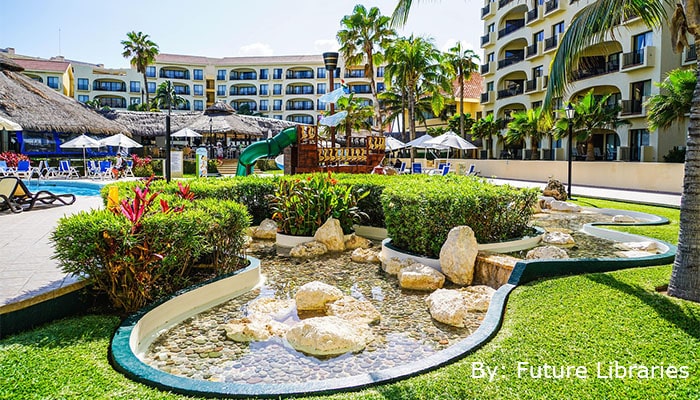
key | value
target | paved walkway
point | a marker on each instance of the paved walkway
(28, 273)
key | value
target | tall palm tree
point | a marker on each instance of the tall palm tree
(485, 128)
(461, 62)
(358, 117)
(591, 25)
(414, 63)
(527, 124)
(364, 40)
(674, 101)
(142, 52)
(166, 97)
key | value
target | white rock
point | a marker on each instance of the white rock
(557, 205)
(328, 336)
(547, 252)
(458, 254)
(623, 219)
(478, 297)
(452, 307)
(361, 255)
(352, 241)
(315, 295)
(393, 265)
(558, 238)
(255, 329)
(331, 234)
(266, 230)
(352, 309)
(278, 309)
(420, 277)
(649, 246)
(308, 249)
(633, 254)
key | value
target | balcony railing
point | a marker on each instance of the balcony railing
(531, 85)
(300, 90)
(512, 26)
(243, 91)
(297, 106)
(532, 15)
(509, 61)
(361, 89)
(109, 86)
(633, 58)
(485, 39)
(485, 97)
(243, 76)
(485, 68)
(550, 42)
(585, 73)
(112, 102)
(300, 75)
(485, 10)
(631, 107)
(185, 90)
(503, 3)
(174, 74)
(550, 6)
(531, 50)
(355, 73)
(691, 54)
(514, 91)
(252, 106)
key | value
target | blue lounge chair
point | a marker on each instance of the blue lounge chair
(65, 170)
(417, 168)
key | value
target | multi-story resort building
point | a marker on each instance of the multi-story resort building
(519, 42)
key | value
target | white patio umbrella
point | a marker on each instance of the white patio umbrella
(81, 142)
(9, 125)
(394, 144)
(119, 140)
(186, 133)
(451, 140)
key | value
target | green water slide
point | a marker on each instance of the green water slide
(267, 148)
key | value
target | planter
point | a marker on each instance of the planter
(370, 232)
(285, 243)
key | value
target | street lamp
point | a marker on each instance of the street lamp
(330, 59)
(168, 143)
(570, 113)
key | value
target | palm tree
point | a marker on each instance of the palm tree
(364, 39)
(674, 101)
(414, 65)
(166, 97)
(591, 25)
(461, 62)
(143, 52)
(527, 124)
(358, 117)
(485, 128)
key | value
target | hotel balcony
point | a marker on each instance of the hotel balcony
(595, 70)
(243, 91)
(305, 105)
(243, 76)
(514, 91)
(181, 90)
(633, 107)
(112, 102)
(532, 50)
(531, 85)
(252, 106)
(299, 90)
(551, 6)
(503, 3)
(487, 11)
(532, 15)
(511, 27)
(109, 86)
(509, 61)
(641, 58)
(355, 73)
(360, 89)
(488, 39)
(300, 75)
(551, 43)
(487, 97)
(172, 73)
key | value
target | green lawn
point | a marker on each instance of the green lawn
(579, 321)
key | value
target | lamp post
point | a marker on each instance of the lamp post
(570, 113)
(330, 59)
(168, 144)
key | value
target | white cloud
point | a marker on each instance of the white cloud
(255, 49)
(322, 45)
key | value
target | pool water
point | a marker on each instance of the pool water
(66, 187)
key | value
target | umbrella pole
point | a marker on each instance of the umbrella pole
(84, 163)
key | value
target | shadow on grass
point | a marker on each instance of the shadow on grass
(67, 332)
(683, 317)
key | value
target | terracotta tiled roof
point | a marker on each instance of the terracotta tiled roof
(472, 87)
(200, 60)
(42, 65)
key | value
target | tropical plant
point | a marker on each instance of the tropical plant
(458, 121)
(358, 117)
(485, 128)
(94, 103)
(166, 97)
(674, 101)
(365, 38)
(591, 25)
(461, 63)
(593, 113)
(414, 66)
(244, 109)
(527, 124)
(142, 52)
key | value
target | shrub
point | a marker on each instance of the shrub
(419, 216)
(265, 164)
(370, 205)
(675, 155)
(12, 158)
(302, 204)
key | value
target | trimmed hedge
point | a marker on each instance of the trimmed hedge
(420, 211)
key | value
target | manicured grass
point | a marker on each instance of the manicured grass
(572, 321)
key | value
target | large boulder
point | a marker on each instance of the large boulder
(352, 309)
(352, 242)
(278, 309)
(361, 255)
(555, 189)
(315, 295)
(253, 329)
(393, 265)
(328, 336)
(458, 254)
(453, 307)
(558, 238)
(547, 252)
(331, 234)
(266, 230)
(308, 250)
(420, 277)
(557, 205)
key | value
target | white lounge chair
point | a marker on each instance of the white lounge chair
(66, 170)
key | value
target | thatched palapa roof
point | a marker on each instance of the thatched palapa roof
(149, 124)
(39, 108)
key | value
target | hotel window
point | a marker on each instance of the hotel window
(321, 73)
(221, 75)
(83, 84)
(134, 86)
(151, 72)
(264, 105)
(134, 100)
(642, 40)
(320, 105)
(199, 105)
(380, 87)
(558, 29)
(380, 72)
(277, 116)
(263, 73)
(337, 73)
(336, 85)
(52, 81)
(151, 87)
(491, 57)
(489, 86)
(83, 98)
(320, 88)
(264, 89)
(277, 73)
(221, 90)
(198, 75)
(198, 90)
(277, 105)
(492, 27)
(277, 89)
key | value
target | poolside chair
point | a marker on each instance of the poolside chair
(65, 170)
(445, 169)
(4, 169)
(105, 171)
(24, 170)
(46, 171)
(22, 196)
(472, 171)
(128, 171)
(93, 169)
(7, 189)
(416, 168)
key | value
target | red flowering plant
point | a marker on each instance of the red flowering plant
(301, 206)
(12, 158)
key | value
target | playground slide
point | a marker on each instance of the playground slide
(267, 148)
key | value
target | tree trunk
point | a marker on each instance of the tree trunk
(375, 95)
(411, 120)
(145, 88)
(535, 153)
(590, 152)
(685, 277)
(461, 104)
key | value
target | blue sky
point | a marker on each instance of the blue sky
(91, 31)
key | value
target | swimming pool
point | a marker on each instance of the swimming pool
(62, 187)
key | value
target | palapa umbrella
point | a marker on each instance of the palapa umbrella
(8, 125)
(81, 142)
(186, 133)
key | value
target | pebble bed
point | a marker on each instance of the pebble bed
(198, 348)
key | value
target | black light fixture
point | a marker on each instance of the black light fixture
(330, 59)
(570, 114)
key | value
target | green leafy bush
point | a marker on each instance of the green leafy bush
(370, 205)
(420, 212)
